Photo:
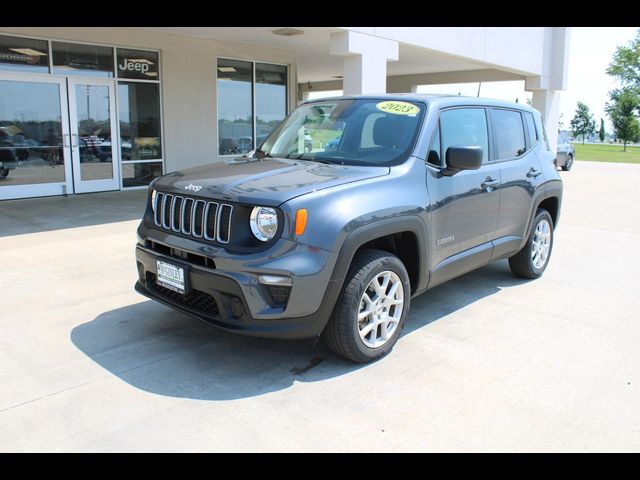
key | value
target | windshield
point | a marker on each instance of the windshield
(351, 132)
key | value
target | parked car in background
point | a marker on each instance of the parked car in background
(8, 159)
(565, 154)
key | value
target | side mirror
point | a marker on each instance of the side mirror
(462, 158)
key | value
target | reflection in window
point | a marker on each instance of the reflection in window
(94, 131)
(345, 131)
(464, 127)
(140, 174)
(23, 54)
(30, 133)
(77, 59)
(271, 98)
(139, 115)
(509, 134)
(235, 111)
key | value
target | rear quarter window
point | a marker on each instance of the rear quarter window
(509, 134)
(531, 128)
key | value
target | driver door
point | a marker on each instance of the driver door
(464, 207)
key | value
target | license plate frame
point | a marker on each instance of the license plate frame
(173, 276)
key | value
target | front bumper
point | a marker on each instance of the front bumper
(214, 298)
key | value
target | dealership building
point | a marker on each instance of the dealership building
(99, 109)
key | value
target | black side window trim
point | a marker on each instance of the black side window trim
(535, 130)
(433, 138)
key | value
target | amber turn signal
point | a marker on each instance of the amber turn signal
(301, 221)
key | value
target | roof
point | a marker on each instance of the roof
(435, 100)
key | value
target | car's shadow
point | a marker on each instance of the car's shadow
(161, 351)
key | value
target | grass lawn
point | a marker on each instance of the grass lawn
(607, 153)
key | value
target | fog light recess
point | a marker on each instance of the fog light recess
(278, 289)
(236, 307)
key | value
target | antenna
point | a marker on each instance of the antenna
(479, 85)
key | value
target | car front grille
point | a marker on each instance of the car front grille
(193, 217)
(196, 300)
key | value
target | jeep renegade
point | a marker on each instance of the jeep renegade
(349, 208)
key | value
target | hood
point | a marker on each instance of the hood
(270, 181)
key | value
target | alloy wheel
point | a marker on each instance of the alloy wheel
(541, 244)
(380, 309)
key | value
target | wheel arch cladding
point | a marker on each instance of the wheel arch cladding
(405, 237)
(551, 205)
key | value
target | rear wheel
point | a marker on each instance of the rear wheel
(568, 164)
(532, 260)
(4, 172)
(372, 309)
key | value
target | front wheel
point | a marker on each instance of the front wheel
(568, 164)
(4, 172)
(532, 260)
(372, 309)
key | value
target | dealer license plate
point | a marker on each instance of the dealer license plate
(170, 276)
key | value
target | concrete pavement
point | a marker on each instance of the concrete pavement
(487, 362)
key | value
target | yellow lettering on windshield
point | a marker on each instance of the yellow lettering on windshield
(397, 107)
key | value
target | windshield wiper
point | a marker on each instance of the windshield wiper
(304, 156)
(299, 157)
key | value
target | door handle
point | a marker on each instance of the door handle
(532, 173)
(77, 139)
(490, 183)
(64, 140)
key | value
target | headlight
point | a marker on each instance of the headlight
(264, 223)
(153, 200)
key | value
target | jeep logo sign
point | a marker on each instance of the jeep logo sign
(134, 66)
(195, 188)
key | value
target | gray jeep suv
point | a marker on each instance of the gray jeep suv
(292, 242)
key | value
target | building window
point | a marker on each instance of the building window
(139, 174)
(24, 54)
(240, 129)
(137, 64)
(79, 59)
(139, 115)
(141, 148)
(271, 99)
(235, 107)
(31, 147)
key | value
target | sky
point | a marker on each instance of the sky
(590, 52)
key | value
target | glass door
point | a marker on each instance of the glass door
(93, 135)
(34, 158)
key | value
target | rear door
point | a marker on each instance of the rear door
(464, 207)
(515, 140)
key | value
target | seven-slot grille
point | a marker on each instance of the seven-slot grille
(194, 217)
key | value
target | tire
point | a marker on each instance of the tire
(343, 332)
(568, 164)
(525, 263)
(3, 173)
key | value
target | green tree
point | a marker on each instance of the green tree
(625, 65)
(582, 122)
(622, 111)
(601, 132)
